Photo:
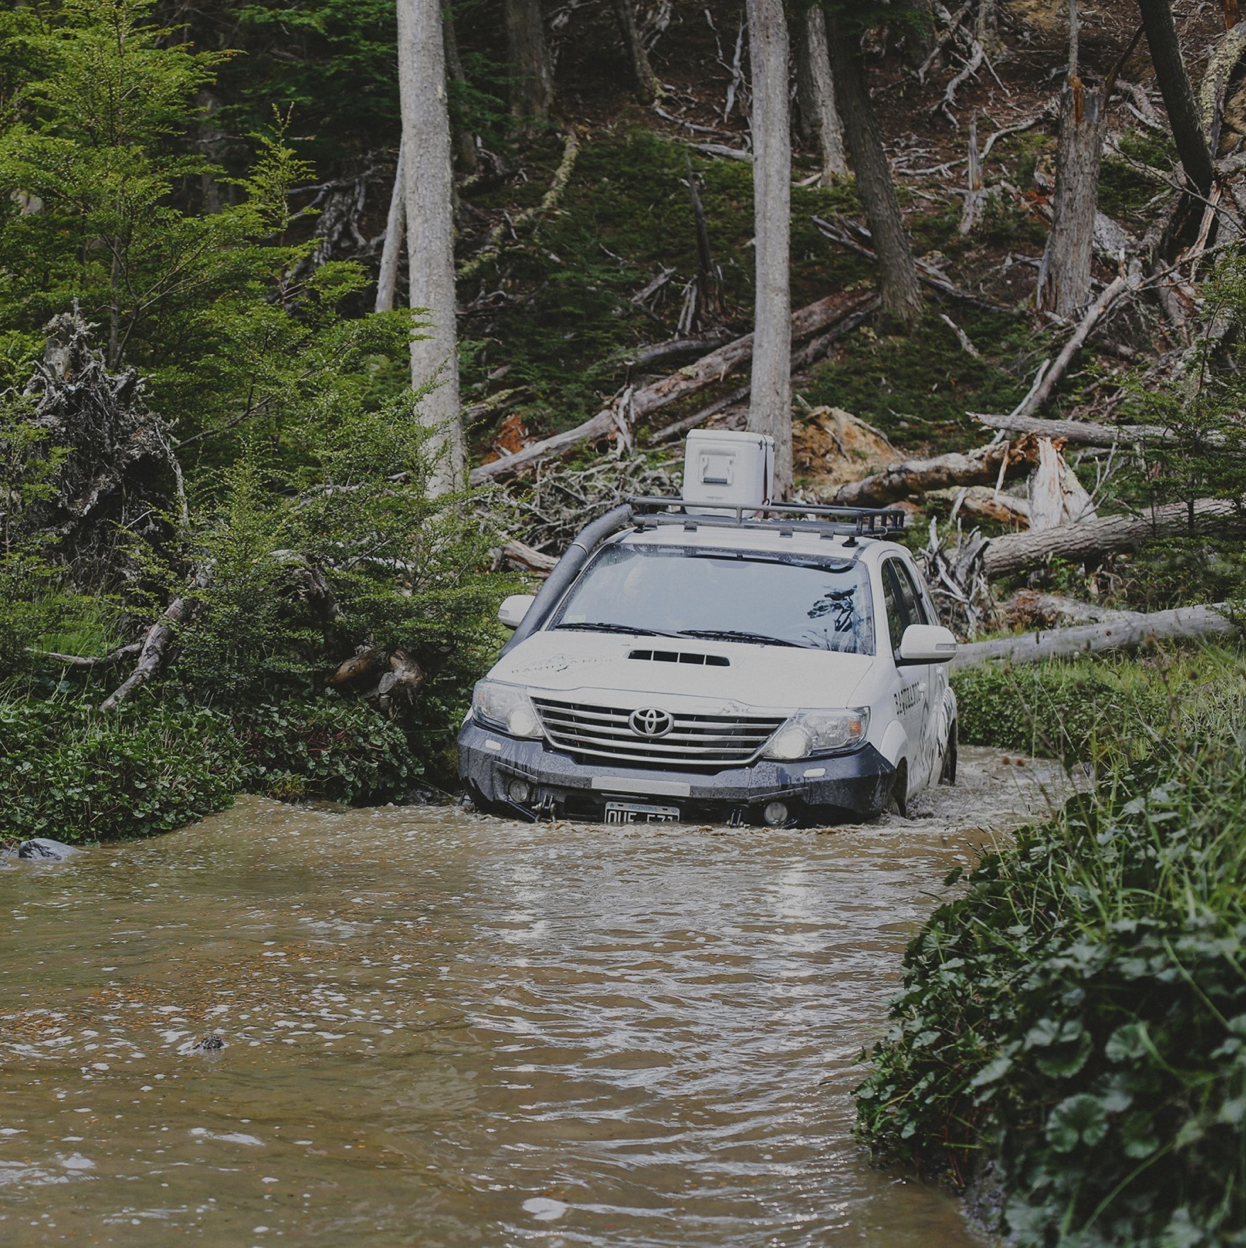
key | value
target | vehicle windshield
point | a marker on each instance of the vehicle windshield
(680, 591)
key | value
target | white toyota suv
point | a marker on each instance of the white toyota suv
(764, 665)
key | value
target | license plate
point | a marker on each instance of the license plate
(639, 812)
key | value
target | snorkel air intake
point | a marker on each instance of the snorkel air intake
(559, 580)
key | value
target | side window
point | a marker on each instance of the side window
(911, 595)
(892, 603)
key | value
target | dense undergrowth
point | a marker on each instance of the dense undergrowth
(76, 775)
(1072, 1030)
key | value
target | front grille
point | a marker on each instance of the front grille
(695, 742)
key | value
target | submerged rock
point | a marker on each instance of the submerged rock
(207, 1044)
(45, 850)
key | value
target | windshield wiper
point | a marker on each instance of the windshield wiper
(599, 627)
(737, 634)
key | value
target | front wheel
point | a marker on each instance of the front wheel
(898, 798)
(948, 774)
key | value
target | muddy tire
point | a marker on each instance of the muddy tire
(897, 799)
(948, 774)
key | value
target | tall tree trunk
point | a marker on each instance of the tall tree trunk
(1174, 85)
(429, 189)
(770, 400)
(532, 81)
(1064, 276)
(395, 236)
(898, 274)
(815, 92)
(648, 88)
(463, 139)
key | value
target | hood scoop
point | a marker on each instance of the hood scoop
(680, 656)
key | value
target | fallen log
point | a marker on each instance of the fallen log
(1134, 630)
(635, 404)
(1089, 433)
(922, 476)
(1028, 609)
(1091, 539)
(524, 558)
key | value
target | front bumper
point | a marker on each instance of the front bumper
(835, 789)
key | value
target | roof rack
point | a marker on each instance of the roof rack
(853, 522)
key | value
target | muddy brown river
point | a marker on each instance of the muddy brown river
(445, 1029)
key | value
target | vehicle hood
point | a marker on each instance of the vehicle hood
(779, 677)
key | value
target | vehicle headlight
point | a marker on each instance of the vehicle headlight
(506, 708)
(819, 732)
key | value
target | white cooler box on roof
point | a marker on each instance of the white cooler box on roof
(736, 469)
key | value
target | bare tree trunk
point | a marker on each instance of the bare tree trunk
(648, 88)
(1064, 276)
(532, 81)
(1174, 85)
(429, 188)
(900, 290)
(1134, 629)
(464, 141)
(770, 400)
(815, 91)
(395, 235)
(1092, 539)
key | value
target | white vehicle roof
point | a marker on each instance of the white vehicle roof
(773, 537)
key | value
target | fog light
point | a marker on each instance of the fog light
(519, 791)
(775, 814)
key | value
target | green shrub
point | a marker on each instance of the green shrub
(324, 748)
(1078, 1017)
(1071, 711)
(76, 775)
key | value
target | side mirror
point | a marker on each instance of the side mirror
(514, 608)
(927, 643)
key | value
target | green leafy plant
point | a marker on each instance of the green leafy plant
(76, 775)
(1075, 1023)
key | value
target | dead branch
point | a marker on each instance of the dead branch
(154, 652)
(921, 476)
(95, 660)
(549, 202)
(1090, 433)
(1135, 630)
(1095, 313)
(705, 372)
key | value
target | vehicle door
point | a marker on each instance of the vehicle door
(917, 605)
(910, 690)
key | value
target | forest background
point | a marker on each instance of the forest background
(238, 550)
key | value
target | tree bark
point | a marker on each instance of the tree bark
(1091, 539)
(532, 81)
(898, 274)
(395, 236)
(815, 91)
(1134, 630)
(770, 400)
(1064, 276)
(1174, 85)
(1090, 433)
(648, 88)
(921, 476)
(429, 186)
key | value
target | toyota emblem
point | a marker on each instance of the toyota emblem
(651, 722)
